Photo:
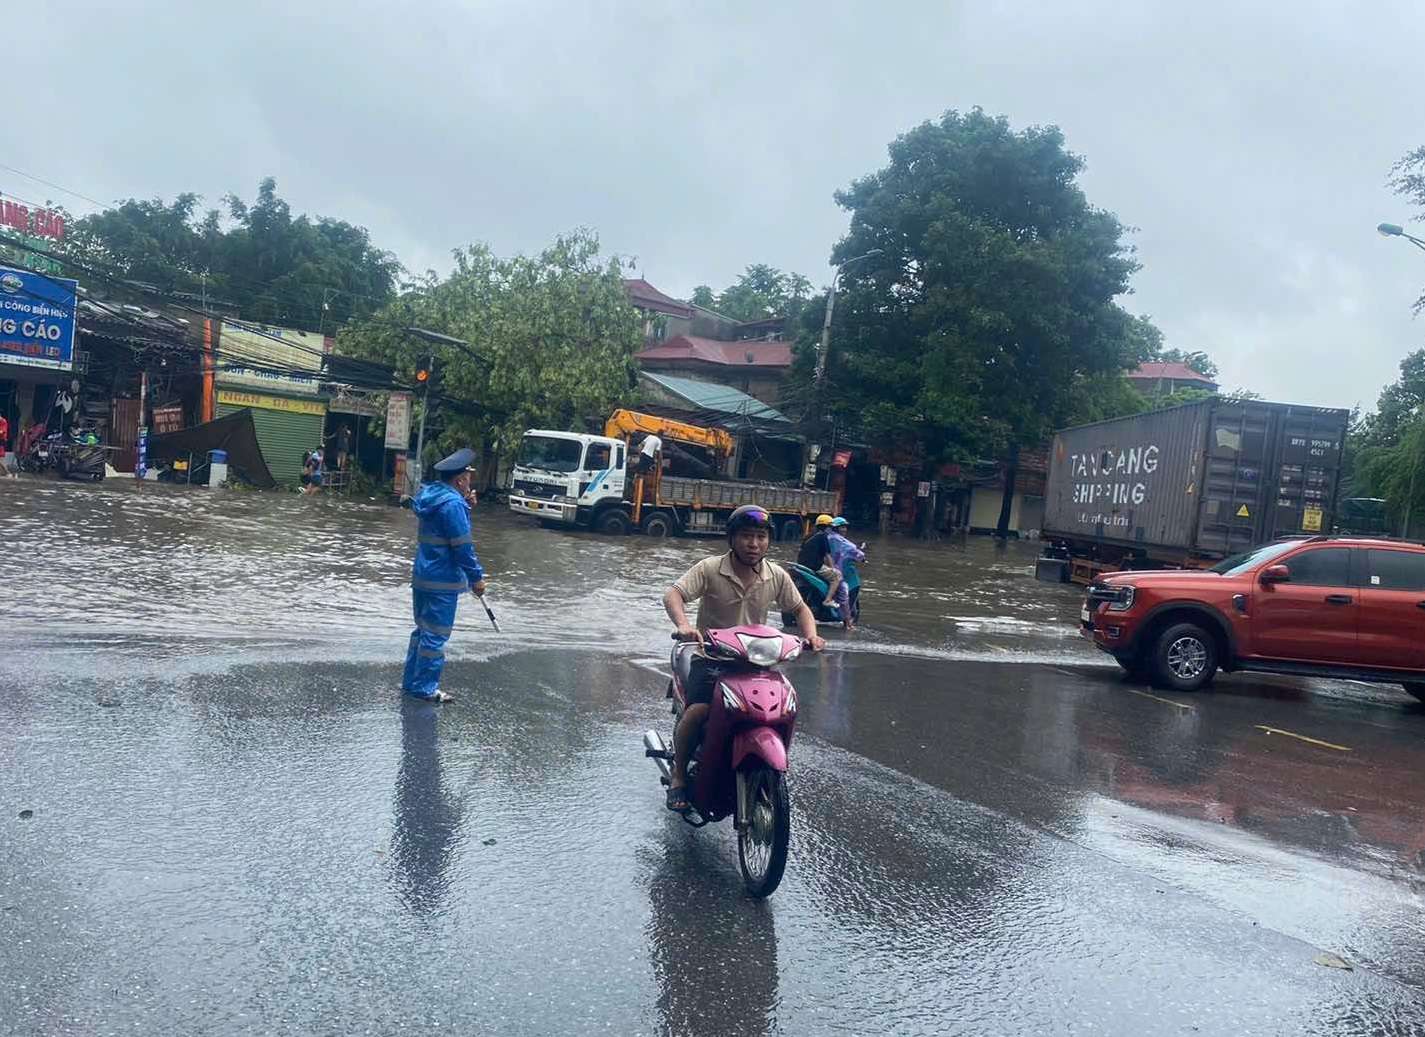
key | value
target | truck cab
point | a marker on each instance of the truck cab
(563, 477)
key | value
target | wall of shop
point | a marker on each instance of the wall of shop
(287, 427)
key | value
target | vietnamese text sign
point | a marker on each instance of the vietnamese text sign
(277, 359)
(261, 401)
(36, 320)
(398, 421)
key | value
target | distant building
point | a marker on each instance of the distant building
(1159, 378)
(754, 368)
(662, 314)
(767, 445)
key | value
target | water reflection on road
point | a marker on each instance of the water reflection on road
(200, 697)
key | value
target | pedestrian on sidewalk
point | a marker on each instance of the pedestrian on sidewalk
(445, 567)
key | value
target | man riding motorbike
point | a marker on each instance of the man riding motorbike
(734, 589)
(815, 554)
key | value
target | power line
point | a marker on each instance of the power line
(233, 359)
(259, 291)
(47, 183)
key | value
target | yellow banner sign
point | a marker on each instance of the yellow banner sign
(263, 402)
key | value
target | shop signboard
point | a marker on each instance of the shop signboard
(282, 360)
(36, 320)
(261, 401)
(398, 421)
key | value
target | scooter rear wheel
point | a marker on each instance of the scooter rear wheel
(763, 841)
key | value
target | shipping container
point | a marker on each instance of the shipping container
(1194, 483)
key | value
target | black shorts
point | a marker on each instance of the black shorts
(702, 678)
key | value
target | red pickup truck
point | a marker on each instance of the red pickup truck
(1346, 607)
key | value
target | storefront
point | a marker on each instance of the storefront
(287, 428)
(36, 349)
(276, 373)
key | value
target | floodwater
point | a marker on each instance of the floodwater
(217, 815)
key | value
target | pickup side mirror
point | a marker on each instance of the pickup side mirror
(1276, 574)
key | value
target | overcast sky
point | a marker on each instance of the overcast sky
(1248, 142)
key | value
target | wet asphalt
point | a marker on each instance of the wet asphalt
(218, 817)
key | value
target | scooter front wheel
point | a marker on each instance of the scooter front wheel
(764, 839)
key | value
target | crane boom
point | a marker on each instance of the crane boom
(624, 423)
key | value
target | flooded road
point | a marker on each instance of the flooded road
(236, 825)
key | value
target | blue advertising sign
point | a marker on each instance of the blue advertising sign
(36, 319)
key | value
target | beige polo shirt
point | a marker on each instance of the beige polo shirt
(724, 602)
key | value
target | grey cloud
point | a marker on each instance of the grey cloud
(1248, 142)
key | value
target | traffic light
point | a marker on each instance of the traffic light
(425, 375)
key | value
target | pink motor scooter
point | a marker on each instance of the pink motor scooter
(740, 766)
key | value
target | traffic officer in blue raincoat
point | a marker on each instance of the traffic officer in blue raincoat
(445, 568)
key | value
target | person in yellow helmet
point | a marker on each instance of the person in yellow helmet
(815, 554)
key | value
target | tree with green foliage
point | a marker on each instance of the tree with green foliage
(1407, 179)
(1385, 448)
(759, 292)
(313, 274)
(990, 307)
(704, 296)
(554, 335)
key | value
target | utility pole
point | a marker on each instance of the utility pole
(423, 377)
(826, 323)
(327, 295)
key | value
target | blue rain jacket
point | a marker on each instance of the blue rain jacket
(445, 559)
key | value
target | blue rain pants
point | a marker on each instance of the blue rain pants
(425, 657)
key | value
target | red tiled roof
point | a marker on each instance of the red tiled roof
(727, 354)
(646, 297)
(1155, 369)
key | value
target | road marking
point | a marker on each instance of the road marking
(1304, 738)
(1155, 698)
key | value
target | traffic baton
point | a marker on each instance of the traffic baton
(493, 622)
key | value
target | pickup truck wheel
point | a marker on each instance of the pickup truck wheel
(1184, 658)
(1415, 688)
(658, 524)
(791, 530)
(615, 523)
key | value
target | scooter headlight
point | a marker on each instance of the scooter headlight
(763, 651)
(730, 699)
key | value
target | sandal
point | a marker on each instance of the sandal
(678, 799)
(442, 697)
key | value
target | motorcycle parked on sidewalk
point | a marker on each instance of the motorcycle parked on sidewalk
(739, 768)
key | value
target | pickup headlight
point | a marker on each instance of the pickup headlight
(1124, 600)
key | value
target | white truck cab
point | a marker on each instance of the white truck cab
(561, 477)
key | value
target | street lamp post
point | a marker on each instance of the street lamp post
(830, 303)
(1395, 230)
(413, 478)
